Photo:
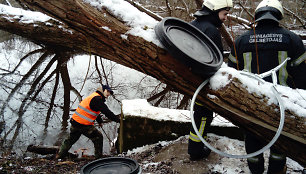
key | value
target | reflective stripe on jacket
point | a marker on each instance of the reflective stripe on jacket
(268, 46)
(83, 114)
(194, 137)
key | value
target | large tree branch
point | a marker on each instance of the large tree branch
(133, 52)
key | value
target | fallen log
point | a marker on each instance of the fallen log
(46, 150)
(144, 124)
(42, 150)
(252, 105)
(258, 102)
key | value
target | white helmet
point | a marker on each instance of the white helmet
(213, 5)
(218, 4)
(269, 9)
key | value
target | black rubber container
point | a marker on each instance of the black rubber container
(112, 165)
(189, 45)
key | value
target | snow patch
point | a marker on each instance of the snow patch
(28, 17)
(141, 24)
(293, 99)
(141, 108)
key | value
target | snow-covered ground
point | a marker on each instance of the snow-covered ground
(140, 107)
(175, 153)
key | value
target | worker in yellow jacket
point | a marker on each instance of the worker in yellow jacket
(208, 20)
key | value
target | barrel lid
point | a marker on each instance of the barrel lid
(112, 165)
(189, 45)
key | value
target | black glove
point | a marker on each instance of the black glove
(118, 118)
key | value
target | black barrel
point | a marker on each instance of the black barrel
(189, 45)
(112, 165)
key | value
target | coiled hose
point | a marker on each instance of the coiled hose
(279, 130)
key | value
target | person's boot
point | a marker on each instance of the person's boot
(256, 164)
(206, 151)
(277, 163)
(200, 155)
(59, 156)
(98, 151)
(62, 152)
(196, 157)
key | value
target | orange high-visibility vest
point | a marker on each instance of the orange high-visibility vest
(83, 114)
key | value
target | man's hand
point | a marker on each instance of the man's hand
(118, 118)
(100, 125)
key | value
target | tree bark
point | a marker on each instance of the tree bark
(82, 31)
(45, 150)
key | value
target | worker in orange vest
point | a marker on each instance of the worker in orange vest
(82, 121)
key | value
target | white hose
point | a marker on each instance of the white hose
(8, 3)
(279, 130)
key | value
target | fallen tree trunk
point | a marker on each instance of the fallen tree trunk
(252, 112)
(43, 150)
(46, 150)
(85, 29)
(143, 124)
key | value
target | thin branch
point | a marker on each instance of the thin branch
(162, 93)
(169, 8)
(104, 72)
(19, 121)
(7, 133)
(297, 17)
(22, 81)
(76, 92)
(186, 6)
(8, 3)
(21, 60)
(142, 9)
(67, 87)
(184, 102)
(227, 37)
(88, 68)
(159, 100)
(34, 85)
(48, 116)
(247, 11)
(98, 71)
(199, 3)
(246, 23)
